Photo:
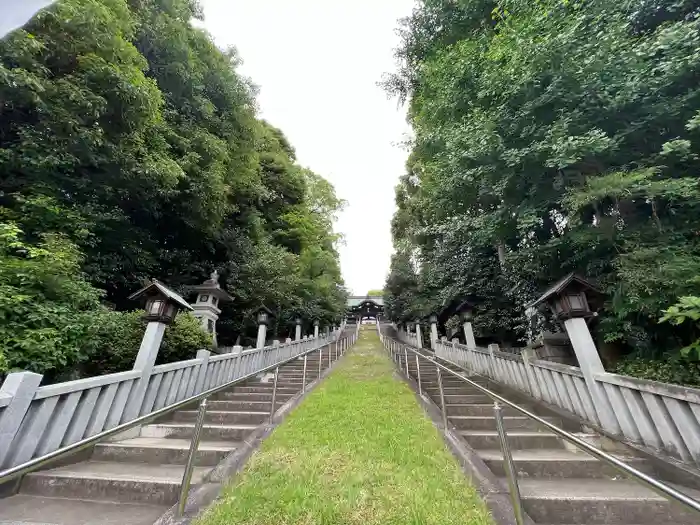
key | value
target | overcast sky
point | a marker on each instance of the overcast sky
(317, 64)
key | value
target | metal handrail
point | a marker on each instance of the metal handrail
(654, 484)
(36, 463)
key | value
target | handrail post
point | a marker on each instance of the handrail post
(194, 445)
(405, 354)
(511, 473)
(274, 394)
(320, 362)
(442, 397)
(420, 387)
(303, 376)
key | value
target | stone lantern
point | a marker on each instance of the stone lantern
(263, 317)
(206, 307)
(569, 300)
(162, 305)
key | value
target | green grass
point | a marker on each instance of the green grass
(358, 450)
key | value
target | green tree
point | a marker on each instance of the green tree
(125, 131)
(552, 137)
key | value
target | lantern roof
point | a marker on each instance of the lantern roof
(263, 308)
(562, 284)
(157, 288)
(212, 287)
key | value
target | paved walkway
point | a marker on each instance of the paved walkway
(358, 450)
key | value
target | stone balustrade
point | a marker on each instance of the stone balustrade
(36, 420)
(663, 418)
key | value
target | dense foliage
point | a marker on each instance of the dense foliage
(551, 136)
(130, 144)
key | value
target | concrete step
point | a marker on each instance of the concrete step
(598, 502)
(236, 433)
(509, 422)
(471, 409)
(518, 439)
(24, 509)
(223, 417)
(111, 481)
(557, 463)
(233, 406)
(162, 451)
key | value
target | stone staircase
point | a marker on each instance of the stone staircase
(133, 481)
(559, 484)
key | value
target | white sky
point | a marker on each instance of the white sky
(317, 64)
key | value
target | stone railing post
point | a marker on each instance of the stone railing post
(21, 386)
(528, 355)
(453, 351)
(493, 369)
(203, 356)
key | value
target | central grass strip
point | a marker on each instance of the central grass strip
(358, 450)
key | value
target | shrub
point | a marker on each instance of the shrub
(46, 304)
(675, 369)
(118, 335)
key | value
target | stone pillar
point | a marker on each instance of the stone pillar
(419, 335)
(145, 360)
(262, 335)
(316, 323)
(297, 333)
(469, 335)
(433, 331)
(591, 365)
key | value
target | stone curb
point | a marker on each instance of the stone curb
(203, 495)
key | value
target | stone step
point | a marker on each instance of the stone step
(162, 451)
(255, 406)
(459, 399)
(598, 502)
(557, 463)
(263, 388)
(520, 439)
(485, 409)
(111, 481)
(252, 396)
(509, 422)
(454, 390)
(25, 509)
(223, 417)
(281, 384)
(236, 433)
